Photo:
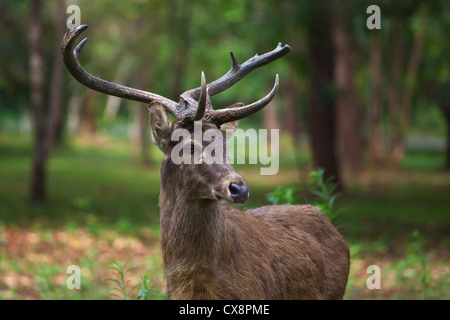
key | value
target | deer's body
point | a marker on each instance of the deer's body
(211, 251)
(215, 252)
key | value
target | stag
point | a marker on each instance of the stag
(213, 251)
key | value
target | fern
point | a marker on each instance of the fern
(325, 191)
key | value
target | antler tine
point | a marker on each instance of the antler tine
(237, 71)
(202, 102)
(70, 56)
(231, 114)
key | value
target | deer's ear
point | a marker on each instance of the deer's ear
(230, 127)
(160, 125)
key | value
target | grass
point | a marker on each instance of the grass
(83, 183)
(102, 207)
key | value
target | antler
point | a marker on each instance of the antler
(234, 112)
(238, 71)
(188, 109)
(70, 56)
(202, 102)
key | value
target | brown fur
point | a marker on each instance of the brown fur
(211, 251)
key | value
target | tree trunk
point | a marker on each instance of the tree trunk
(143, 133)
(140, 144)
(180, 22)
(88, 125)
(447, 151)
(38, 174)
(347, 109)
(394, 88)
(397, 151)
(322, 108)
(73, 110)
(270, 118)
(292, 118)
(113, 102)
(55, 107)
(438, 92)
(139, 141)
(375, 106)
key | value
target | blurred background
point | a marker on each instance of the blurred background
(79, 175)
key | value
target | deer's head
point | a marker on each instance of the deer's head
(198, 177)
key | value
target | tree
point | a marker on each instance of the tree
(403, 78)
(179, 18)
(375, 106)
(348, 113)
(47, 121)
(139, 138)
(270, 118)
(55, 120)
(435, 74)
(322, 112)
(292, 118)
(440, 94)
(36, 60)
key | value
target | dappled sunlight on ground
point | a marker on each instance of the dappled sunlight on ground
(34, 262)
(34, 265)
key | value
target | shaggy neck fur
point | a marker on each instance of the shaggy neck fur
(191, 230)
(192, 234)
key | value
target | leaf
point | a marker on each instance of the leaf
(143, 293)
(320, 194)
(332, 199)
(313, 175)
(117, 283)
(118, 271)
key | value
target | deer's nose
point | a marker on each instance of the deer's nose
(238, 193)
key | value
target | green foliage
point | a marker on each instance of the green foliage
(44, 281)
(325, 190)
(282, 196)
(122, 286)
(145, 292)
(148, 292)
(413, 272)
(120, 269)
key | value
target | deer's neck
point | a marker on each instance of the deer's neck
(191, 230)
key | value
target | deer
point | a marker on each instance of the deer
(211, 250)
